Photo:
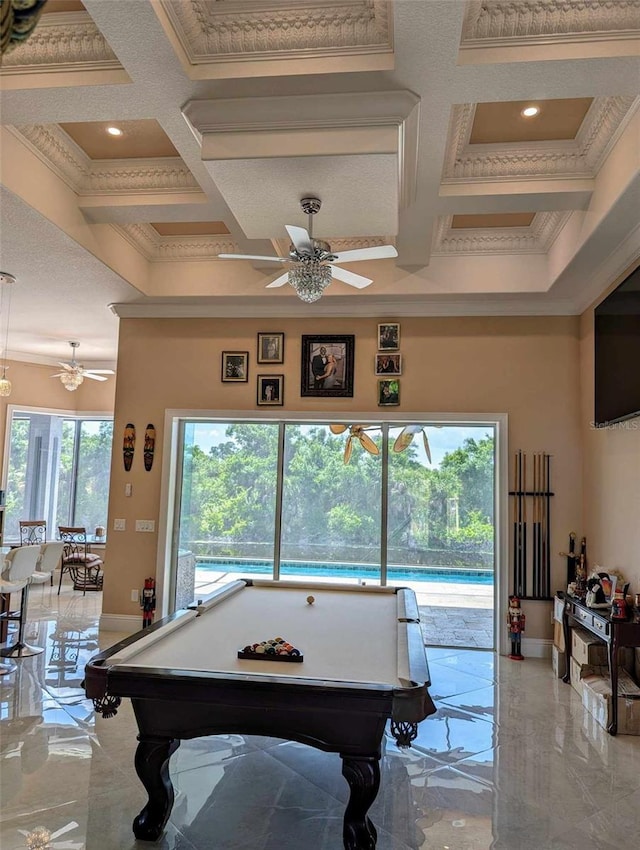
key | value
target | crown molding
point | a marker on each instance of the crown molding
(156, 248)
(103, 176)
(283, 307)
(69, 41)
(550, 21)
(582, 156)
(214, 36)
(537, 238)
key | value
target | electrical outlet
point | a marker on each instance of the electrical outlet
(145, 525)
(119, 525)
(134, 595)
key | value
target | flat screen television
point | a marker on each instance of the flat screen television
(617, 353)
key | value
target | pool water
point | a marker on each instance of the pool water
(355, 571)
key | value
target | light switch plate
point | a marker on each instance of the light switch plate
(145, 525)
(119, 525)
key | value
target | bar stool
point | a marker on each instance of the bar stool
(50, 558)
(9, 587)
(20, 565)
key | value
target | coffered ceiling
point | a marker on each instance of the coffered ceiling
(403, 117)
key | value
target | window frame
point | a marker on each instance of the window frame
(77, 417)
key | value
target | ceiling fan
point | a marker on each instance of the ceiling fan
(312, 260)
(74, 373)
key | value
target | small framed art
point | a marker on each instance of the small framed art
(389, 336)
(388, 393)
(271, 390)
(270, 348)
(388, 364)
(235, 366)
(327, 365)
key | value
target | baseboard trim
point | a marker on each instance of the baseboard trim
(120, 623)
(536, 647)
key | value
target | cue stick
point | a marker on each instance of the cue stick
(534, 554)
(547, 526)
(540, 523)
(515, 523)
(524, 528)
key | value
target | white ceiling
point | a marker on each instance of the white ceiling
(365, 103)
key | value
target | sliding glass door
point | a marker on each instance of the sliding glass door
(383, 503)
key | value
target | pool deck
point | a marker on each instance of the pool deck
(452, 614)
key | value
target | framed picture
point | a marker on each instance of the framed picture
(388, 364)
(608, 584)
(235, 366)
(327, 365)
(388, 393)
(271, 390)
(388, 337)
(271, 348)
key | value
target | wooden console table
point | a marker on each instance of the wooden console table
(615, 633)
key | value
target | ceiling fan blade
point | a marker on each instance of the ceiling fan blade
(367, 443)
(338, 429)
(348, 449)
(300, 238)
(93, 377)
(378, 252)
(66, 366)
(100, 371)
(351, 278)
(58, 374)
(426, 445)
(252, 257)
(279, 281)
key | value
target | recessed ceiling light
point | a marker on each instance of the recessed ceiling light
(530, 111)
(114, 131)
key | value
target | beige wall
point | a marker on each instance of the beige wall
(526, 367)
(611, 461)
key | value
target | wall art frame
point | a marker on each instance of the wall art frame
(326, 369)
(235, 366)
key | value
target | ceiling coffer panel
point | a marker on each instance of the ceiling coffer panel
(210, 31)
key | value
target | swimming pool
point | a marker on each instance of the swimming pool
(395, 572)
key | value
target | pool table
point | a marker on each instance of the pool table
(363, 662)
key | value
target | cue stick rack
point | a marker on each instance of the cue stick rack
(531, 514)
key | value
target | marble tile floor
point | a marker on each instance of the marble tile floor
(510, 761)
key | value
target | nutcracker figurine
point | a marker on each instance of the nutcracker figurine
(148, 602)
(515, 620)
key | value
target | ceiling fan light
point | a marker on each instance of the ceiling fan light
(71, 381)
(310, 280)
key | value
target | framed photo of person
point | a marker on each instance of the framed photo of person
(388, 364)
(327, 365)
(271, 390)
(270, 348)
(235, 366)
(388, 393)
(389, 336)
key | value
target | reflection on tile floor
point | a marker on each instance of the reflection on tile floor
(510, 761)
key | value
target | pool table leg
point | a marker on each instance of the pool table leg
(152, 767)
(363, 775)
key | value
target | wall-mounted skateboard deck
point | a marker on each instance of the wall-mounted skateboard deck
(128, 445)
(149, 446)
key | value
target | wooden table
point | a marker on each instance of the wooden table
(615, 633)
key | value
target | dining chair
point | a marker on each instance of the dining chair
(84, 567)
(33, 532)
(19, 570)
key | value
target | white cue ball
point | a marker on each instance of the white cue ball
(311, 600)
